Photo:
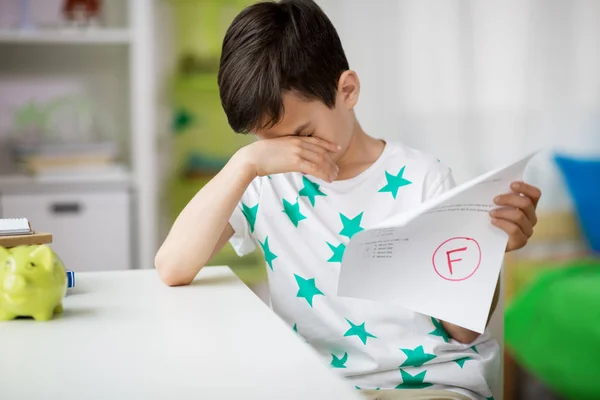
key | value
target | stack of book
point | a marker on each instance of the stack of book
(62, 158)
(18, 231)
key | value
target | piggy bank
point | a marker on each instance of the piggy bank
(33, 282)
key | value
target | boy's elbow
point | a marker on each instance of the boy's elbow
(171, 279)
(465, 336)
(168, 271)
(460, 334)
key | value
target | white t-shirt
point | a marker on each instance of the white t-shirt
(302, 225)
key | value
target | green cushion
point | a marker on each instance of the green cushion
(553, 329)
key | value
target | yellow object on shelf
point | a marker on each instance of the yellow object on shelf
(557, 226)
(556, 238)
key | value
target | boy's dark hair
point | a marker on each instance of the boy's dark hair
(273, 47)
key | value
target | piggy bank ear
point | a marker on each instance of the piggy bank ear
(4, 254)
(43, 256)
(4, 257)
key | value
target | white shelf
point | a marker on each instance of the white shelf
(115, 176)
(130, 84)
(67, 36)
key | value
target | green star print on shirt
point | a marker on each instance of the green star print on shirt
(439, 330)
(394, 182)
(461, 361)
(413, 381)
(416, 357)
(250, 214)
(310, 190)
(293, 212)
(307, 289)
(360, 331)
(339, 362)
(377, 349)
(269, 255)
(351, 226)
(338, 252)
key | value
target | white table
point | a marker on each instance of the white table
(125, 335)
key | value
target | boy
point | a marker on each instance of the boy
(313, 180)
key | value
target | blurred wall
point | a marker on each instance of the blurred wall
(165, 65)
(479, 83)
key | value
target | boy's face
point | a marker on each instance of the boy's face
(313, 118)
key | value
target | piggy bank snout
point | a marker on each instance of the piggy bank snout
(14, 283)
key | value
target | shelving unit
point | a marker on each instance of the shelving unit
(115, 65)
(98, 37)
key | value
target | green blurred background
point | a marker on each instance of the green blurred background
(202, 139)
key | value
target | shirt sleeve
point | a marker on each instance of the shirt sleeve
(443, 182)
(243, 219)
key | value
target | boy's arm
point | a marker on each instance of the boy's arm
(202, 228)
(464, 335)
(517, 217)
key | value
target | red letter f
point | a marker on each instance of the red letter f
(451, 260)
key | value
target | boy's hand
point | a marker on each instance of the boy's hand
(308, 155)
(517, 217)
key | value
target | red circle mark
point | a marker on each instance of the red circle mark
(456, 279)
